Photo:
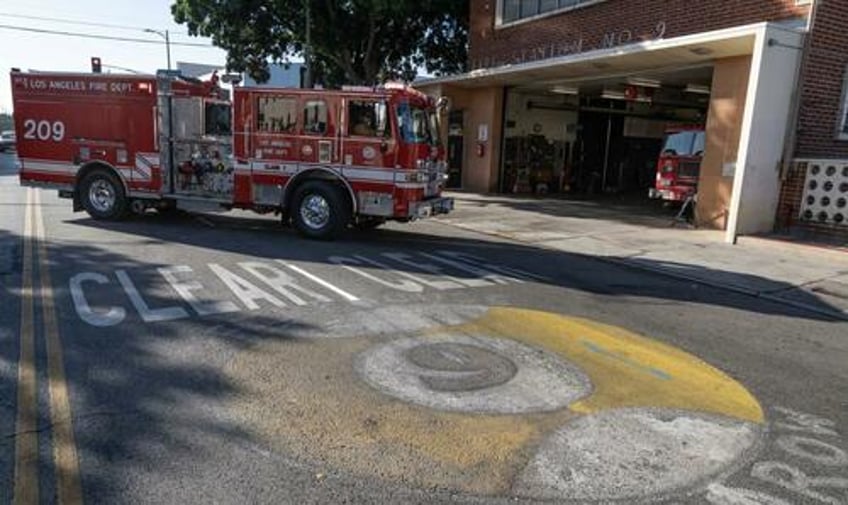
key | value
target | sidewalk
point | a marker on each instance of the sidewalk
(809, 277)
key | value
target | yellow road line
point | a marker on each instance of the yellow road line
(26, 442)
(66, 462)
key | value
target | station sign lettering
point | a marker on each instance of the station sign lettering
(574, 45)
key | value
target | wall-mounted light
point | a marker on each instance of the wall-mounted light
(611, 94)
(643, 82)
(698, 89)
(565, 90)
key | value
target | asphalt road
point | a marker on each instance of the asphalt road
(216, 358)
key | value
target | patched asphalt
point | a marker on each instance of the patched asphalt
(221, 359)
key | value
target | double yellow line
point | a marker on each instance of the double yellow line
(65, 461)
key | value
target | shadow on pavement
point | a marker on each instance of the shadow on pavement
(625, 209)
(263, 238)
(137, 404)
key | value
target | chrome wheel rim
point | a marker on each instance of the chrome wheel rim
(102, 196)
(315, 211)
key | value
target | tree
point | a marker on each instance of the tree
(6, 122)
(352, 41)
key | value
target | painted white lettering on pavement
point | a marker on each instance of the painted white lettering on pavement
(351, 264)
(797, 481)
(314, 278)
(719, 494)
(147, 314)
(245, 290)
(511, 273)
(480, 275)
(410, 262)
(113, 316)
(818, 488)
(185, 288)
(282, 283)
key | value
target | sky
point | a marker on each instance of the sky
(38, 51)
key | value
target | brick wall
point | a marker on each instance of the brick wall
(595, 26)
(821, 91)
(822, 83)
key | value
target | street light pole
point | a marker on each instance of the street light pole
(307, 50)
(167, 36)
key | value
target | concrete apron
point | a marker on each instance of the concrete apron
(613, 252)
(510, 402)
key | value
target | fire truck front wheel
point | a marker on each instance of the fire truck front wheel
(320, 210)
(103, 196)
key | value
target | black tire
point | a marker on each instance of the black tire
(320, 210)
(103, 197)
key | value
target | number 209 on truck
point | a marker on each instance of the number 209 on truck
(324, 160)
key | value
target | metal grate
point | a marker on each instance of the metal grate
(689, 169)
(825, 197)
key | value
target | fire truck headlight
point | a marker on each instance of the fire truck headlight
(421, 164)
(668, 168)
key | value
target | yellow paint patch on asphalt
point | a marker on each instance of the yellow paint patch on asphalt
(306, 400)
(627, 370)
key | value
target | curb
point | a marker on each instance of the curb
(836, 314)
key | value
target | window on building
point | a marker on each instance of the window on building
(315, 117)
(276, 114)
(843, 124)
(367, 119)
(515, 10)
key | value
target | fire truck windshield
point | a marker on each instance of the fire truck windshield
(417, 125)
(218, 119)
(684, 143)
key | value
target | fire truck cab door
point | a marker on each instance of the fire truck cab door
(318, 132)
(368, 133)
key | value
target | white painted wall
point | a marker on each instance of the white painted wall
(756, 187)
(553, 122)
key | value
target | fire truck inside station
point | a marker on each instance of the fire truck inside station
(639, 138)
(323, 159)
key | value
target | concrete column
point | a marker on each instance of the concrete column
(756, 187)
(724, 124)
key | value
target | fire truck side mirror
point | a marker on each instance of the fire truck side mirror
(95, 65)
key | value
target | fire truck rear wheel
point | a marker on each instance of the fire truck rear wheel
(103, 196)
(320, 210)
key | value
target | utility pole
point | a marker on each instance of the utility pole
(165, 35)
(307, 49)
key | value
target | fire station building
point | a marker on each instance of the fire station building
(577, 96)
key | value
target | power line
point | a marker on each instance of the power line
(69, 21)
(85, 23)
(100, 37)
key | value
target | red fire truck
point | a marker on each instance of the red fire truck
(324, 160)
(679, 164)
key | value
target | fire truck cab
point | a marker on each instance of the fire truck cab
(679, 164)
(324, 160)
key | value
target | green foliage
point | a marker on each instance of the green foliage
(353, 41)
(6, 122)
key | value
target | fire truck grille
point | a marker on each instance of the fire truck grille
(689, 169)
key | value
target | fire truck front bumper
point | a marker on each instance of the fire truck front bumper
(431, 207)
